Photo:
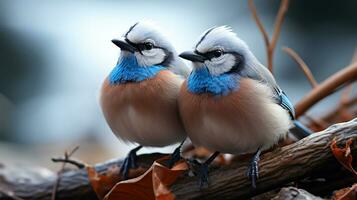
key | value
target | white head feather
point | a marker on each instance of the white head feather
(222, 38)
(149, 31)
(225, 39)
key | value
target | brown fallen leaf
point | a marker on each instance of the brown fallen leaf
(343, 155)
(152, 185)
(103, 183)
(346, 193)
(163, 178)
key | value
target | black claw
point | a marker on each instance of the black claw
(129, 163)
(201, 170)
(253, 173)
(124, 169)
(203, 180)
(176, 155)
(253, 169)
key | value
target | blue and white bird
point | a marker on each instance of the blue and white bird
(231, 103)
(139, 97)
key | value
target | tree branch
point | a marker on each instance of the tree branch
(74, 184)
(270, 45)
(305, 158)
(277, 27)
(310, 157)
(334, 82)
(302, 65)
(253, 10)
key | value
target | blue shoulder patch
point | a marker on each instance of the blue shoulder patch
(201, 81)
(128, 70)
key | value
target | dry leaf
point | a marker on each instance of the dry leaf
(102, 183)
(343, 155)
(163, 178)
(152, 185)
(346, 193)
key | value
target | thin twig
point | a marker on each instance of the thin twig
(73, 151)
(345, 96)
(354, 57)
(76, 163)
(320, 122)
(66, 157)
(278, 23)
(348, 89)
(259, 23)
(10, 194)
(270, 45)
(302, 65)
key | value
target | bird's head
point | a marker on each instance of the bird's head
(221, 51)
(147, 43)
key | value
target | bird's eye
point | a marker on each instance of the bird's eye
(217, 53)
(148, 45)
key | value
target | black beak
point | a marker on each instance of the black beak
(188, 55)
(124, 46)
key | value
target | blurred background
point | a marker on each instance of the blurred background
(54, 56)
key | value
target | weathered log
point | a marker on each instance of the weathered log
(292, 193)
(310, 157)
(294, 162)
(74, 184)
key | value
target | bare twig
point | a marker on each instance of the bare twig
(270, 45)
(277, 27)
(76, 163)
(302, 65)
(354, 57)
(10, 194)
(334, 82)
(346, 95)
(259, 23)
(319, 122)
(55, 186)
(348, 89)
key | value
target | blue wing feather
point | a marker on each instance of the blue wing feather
(285, 102)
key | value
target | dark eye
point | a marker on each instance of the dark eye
(148, 45)
(217, 53)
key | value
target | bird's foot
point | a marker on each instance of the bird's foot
(201, 169)
(175, 156)
(253, 169)
(129, 163)
(203, 178)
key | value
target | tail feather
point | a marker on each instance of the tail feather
(300, 131)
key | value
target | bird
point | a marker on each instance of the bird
(231, 103)
(139, 96)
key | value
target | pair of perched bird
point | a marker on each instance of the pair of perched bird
(228, 103)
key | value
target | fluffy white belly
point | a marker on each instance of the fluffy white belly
(146, 129)
(246, 135)
(145, 113)
(238, 123)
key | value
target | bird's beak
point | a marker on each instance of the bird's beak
(123, 45)
(189, 55)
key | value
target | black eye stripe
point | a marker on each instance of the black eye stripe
(213, 54)
(141, 46)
